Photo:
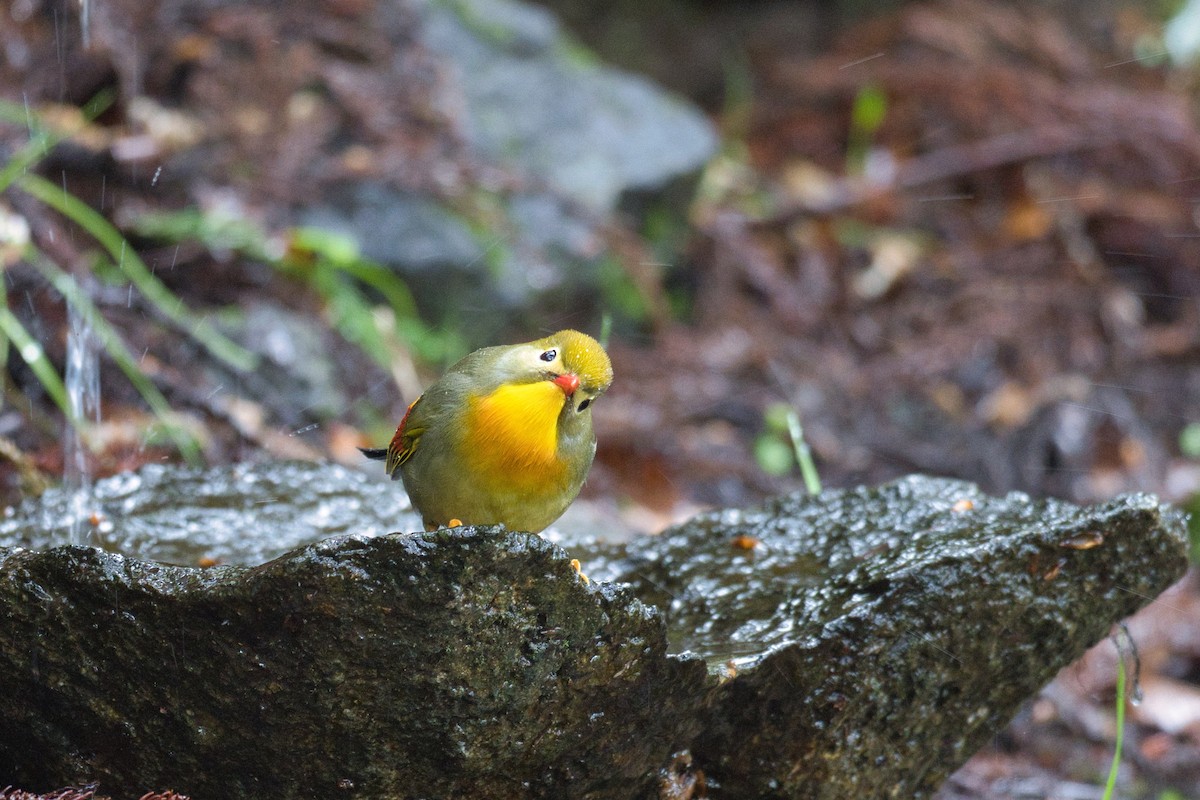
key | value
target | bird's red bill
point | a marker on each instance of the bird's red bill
(568, 383)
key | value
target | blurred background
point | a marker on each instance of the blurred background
(957, 237)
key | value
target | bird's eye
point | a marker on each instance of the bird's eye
(549, 356)
(585, 404)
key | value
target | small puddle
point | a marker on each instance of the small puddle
(245, 514)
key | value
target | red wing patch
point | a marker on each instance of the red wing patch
(404, 443)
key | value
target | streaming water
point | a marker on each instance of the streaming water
(83, 394)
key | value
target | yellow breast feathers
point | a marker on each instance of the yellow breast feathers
(512, 435)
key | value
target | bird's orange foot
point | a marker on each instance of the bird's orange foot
(579, 570)
(454, 523)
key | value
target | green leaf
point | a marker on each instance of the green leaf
(773, 455)
(870, 107)
(1189, 440)
(866, 115)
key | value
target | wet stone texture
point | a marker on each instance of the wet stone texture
(881, 636)
(859, 644)
(469, 663)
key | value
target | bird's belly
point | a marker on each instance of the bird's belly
(505, 465)
(518, 501)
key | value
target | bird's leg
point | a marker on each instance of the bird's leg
(579, 570)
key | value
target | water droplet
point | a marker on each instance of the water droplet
(31, 352)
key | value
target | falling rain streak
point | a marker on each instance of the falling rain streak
(85, 21)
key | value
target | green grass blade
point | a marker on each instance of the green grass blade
(428, 345)
(119, 352)
(336, 252)
(352, 314)
(218, 231)
(167, 303)
(328, 263)
(380, 278)
(41, 138)
(32, 152)
(41, 141)
(21, 114)
(1111, 785)
(808, 469)
(4, 339)
(31, 353)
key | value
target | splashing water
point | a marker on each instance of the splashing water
(83, 394)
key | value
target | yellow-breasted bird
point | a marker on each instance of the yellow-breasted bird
(505, 436)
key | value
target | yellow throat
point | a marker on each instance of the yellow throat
(511, 435)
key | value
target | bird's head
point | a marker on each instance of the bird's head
(573, 361)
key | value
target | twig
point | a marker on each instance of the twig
(950, 162)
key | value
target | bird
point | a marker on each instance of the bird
(504, 437)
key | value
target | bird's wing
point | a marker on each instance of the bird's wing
(404, 443)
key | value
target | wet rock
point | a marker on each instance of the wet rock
(881, 636)
(575, 138)
(858, 644)
(470, 663)
(539, 103)
(398, 227)
(294, 371)
(241, 514)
